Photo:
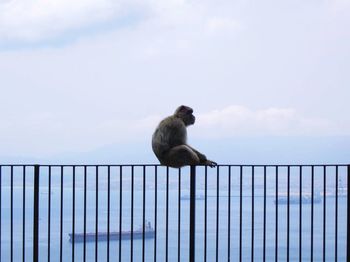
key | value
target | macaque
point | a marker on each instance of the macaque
(169, 141)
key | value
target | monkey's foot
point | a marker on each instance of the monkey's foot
(211, 163)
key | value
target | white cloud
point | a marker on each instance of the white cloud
(45, 133)
(240, 120)
(33, 20)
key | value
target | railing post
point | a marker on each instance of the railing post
(36, 215)
(192, 213)
(348, 217)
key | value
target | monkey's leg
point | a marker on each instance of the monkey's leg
(203, 159)
(201, 156)
(181, 156)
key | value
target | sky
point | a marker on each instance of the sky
(79, 75)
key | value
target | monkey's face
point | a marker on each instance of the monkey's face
(189, 119)
(186, 114)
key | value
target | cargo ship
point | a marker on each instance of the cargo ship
(124, 235)
(295, 200)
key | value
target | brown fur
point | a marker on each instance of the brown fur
(169, 141)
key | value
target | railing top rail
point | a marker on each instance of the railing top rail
(158, 165)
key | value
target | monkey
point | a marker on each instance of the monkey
(169, 141)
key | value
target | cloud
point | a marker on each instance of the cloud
(46, 21)
(50, 133)
(41, 20)
(240, 120)
(34, 20)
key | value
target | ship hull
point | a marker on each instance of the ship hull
(113, 236)
(296, 201)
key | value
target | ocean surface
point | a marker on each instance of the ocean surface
(223, 232)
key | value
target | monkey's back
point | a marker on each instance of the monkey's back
(170, 132)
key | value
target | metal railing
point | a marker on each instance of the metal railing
(228, 213)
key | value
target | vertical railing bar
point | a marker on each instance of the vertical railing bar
(229, 216)
(143, 212)
(205, 211)
(73, 217)
(0, 209)
(61, 215)
(108, 209)
(336, 214)
(120, 210)
(132, 216)
(167, 214)
(155, 212)
(96, 216)
(264, 234)
(348, 216)
(217, 212)
(179, 220)
(192, 252)
(300, 211)
(11, 224)
(312, 212)
(36, 214)
(252, 237)
(288, 210)
(276, 216)
(324, 213)
(24, 216)
(49, 219)
(85, 184)
(240, 212)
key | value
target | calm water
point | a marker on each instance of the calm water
(173, 221)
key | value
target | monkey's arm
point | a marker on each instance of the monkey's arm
(203, 159)
(201, 156)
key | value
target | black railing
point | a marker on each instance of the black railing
(156, 213)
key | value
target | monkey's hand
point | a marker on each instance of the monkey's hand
(204, 161)
(210, 163)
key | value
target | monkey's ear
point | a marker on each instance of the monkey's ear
(187, 110)
(182, 108)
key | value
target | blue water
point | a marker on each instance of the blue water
(173, 219)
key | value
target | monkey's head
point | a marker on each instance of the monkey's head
(186, 114)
